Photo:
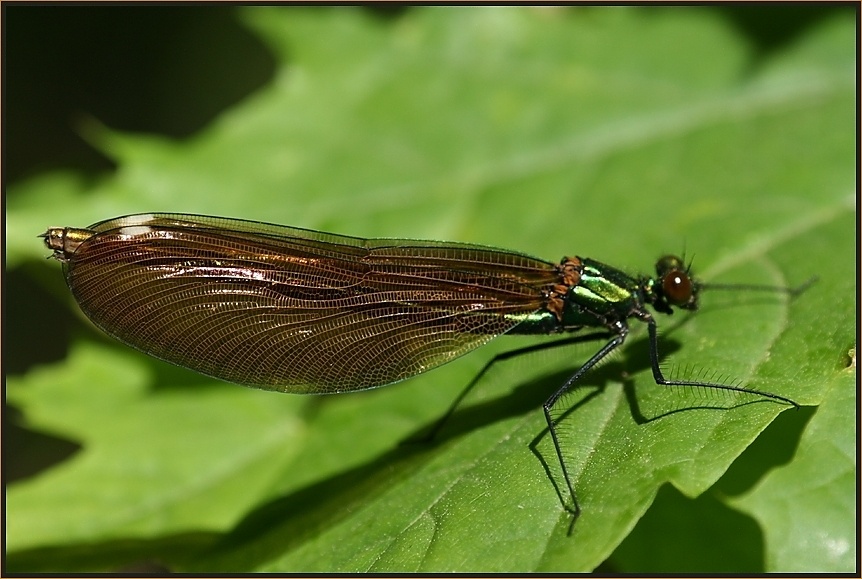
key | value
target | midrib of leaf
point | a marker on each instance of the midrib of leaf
(427, 512)
(777, 97)
(617, 135)
(769, 240)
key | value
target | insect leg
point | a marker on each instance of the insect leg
(660, 379)
(614, 343)
(432, 432)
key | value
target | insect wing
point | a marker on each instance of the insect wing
(293, 309)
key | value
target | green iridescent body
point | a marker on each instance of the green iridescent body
(605, 297)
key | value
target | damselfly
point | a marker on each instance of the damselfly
(296, 310)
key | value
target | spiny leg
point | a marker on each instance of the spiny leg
(660, 379)
(547, 407)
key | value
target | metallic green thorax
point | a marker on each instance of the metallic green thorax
(605, 297)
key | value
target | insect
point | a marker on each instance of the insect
(302, 311)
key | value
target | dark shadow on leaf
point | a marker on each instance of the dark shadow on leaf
(40, 324)
(158, 556)
(28, 452)
(168, 377)
(679, 535)
(769, 29)
(774, 447)
(173, 70)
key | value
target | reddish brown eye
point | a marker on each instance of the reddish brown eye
(676, 286)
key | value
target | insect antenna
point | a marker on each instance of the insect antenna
(792, 291)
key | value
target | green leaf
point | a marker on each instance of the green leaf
(809, 506)
(617, 134)
(156, 453)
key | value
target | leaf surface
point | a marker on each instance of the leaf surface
(616, 134)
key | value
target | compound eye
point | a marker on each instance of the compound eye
(676, 286)
(668, 263)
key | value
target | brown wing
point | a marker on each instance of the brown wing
(297, 310)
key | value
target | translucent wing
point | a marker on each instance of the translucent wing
(297, 310)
